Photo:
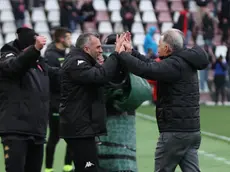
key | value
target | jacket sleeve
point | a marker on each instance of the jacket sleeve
(12, 64)
(82, 72)
(52, 60)
(141, 57)
(166, 70)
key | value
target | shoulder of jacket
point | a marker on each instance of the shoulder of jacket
(173, 59)
(7, 55)
(76, 61)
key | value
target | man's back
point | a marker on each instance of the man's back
(178, 101)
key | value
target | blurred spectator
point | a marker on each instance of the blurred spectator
(70, 16)
(201, 7)
(220, 73)
(228, 62)
(215, 10)
(153, 3)
(185, 23)
(65, 13)
(208, 28)
(150, 54)
(32, 3)
(224, 18)
(88, 11)
(202, 3)
(149, 42)
(106, 2)
(19, 12)
(225, 28)
(204, 73)
(127, 13)
(225, 9)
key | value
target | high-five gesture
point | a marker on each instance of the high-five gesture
(119, 43)
(128, 43)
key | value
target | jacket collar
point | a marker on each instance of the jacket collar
(173, 54)
(78, 51)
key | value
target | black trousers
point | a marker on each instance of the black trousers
(22, 156)
(84, 154)
(219, 81)
(53, 141)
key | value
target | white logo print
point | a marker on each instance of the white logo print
(80, 62)
(89, 164)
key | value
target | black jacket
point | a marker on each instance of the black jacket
(202, 3)
(88, 11)
(178, 87)
(24, 91)
(208, 27)
(55, 57)
(82, 107)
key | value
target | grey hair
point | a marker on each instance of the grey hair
(84, 39)
(174, 38)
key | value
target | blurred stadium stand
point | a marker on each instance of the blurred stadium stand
(108, 20)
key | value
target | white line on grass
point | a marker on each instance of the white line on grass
(212, 135)
(201, 152)
(214, 156)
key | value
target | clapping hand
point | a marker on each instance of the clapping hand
(100, 59)
(119, 43)
(128, 43)
(123, 42)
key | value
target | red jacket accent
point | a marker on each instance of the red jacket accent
(185, 22)
(154, 84)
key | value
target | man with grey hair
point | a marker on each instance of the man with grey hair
(177, 107)
(82, 107)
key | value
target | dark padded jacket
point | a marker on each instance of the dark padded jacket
(24, 91)
(82, 107)
(55, 57)
(178, 86)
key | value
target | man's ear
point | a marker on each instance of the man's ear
(168, 49)
(86, 49)
(62, 39)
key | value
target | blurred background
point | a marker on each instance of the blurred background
(204, 22)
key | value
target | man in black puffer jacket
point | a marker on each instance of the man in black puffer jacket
(55, 56)
(178, 111)
(82, 107)
(24, 105)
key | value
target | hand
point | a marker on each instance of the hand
(128, 36)
(122, 48)
(100, 59)
(40, 42)
(127, 46)
(119, 41)
(128, 42)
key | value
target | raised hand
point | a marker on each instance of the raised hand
(119, 41)
(128, 36)
(40, 42)
(100, 59)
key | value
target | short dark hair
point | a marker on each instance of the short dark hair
(84, 38)
(111, 39)
(59, 33)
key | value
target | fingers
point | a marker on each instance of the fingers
(123, 42)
